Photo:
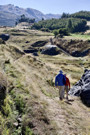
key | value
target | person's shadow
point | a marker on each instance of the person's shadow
(68, 101)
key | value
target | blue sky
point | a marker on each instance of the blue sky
(51, 6)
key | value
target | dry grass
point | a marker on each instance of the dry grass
(32, 79)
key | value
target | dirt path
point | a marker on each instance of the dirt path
(58, 111)
(69, 119)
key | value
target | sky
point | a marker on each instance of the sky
(51, 6)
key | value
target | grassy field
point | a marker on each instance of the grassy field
(32, 106)
(79, 36)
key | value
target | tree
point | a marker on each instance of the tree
(63, 31)
(65, 15)
(55, 32)
(69, 25)
(16, 23)
(42, 19)
(23, 16)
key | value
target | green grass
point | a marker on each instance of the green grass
(79, 36)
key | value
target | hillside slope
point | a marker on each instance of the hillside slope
(75, 47)
(32, 105)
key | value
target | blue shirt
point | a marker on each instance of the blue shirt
(59, 80)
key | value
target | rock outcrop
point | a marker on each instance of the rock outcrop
(5, 37)
(76, 48)
(50, 50)
(82, 88)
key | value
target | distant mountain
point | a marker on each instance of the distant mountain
(10, 13)
(48, 16)
(7, 18)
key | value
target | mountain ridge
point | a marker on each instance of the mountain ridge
(17, 11)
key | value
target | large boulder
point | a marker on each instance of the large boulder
(50, 50)
(5, 37)
(82, 88)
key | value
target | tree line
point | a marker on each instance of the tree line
(23, 18)
(80, 14)
(71, 24)
(68, 23)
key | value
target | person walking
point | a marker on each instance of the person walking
(67, 86)
(60, 81)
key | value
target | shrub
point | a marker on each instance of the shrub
(45, 29)
(51, 82)
(63, 31)
(20, 104)
(8, 106)
(56, 32)
(3, 128)
(28, 131)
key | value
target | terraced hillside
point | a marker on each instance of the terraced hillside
(32, 106)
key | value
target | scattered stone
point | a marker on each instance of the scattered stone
(35, 54)
(15, 124)
(27, 42)
(19, 120)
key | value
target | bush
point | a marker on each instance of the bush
(28, 131)
(63, 31)
(51, 82)
(45, 29)
(56, 32)
(8, 106)
(3, 128)
(20, 104)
